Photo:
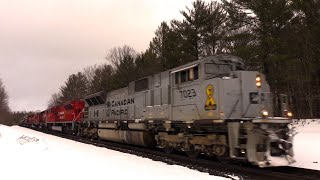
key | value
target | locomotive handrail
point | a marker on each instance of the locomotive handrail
(233, 108)
(74, 119)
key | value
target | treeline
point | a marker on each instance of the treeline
(280, 38)
(6, 116)
(4, 108)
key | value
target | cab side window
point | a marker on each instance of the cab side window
(193, 73)
(187, 75)
(183, 76)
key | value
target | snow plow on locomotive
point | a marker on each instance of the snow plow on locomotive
(211, 106)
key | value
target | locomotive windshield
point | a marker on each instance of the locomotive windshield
(217, 69)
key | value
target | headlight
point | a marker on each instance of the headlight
(264, 113)
(258, 81)
(289, 114)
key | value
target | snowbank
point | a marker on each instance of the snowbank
(27, 154)
(307, 143)
(307, 125)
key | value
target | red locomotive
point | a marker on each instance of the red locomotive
(59, 118)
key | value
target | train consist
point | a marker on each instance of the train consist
(211, 106)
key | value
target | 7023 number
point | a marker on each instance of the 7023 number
(190, 93)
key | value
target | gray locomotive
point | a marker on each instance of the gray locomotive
(210, 106)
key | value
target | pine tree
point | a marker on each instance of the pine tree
(74, 88)
(122, 60)
(102, 79)
(304, 45)
(166, 47)
(4, 107)
(202, 30)
(283, 40)
(147, 64)
(191, 29)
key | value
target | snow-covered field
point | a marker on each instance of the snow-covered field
(28, 154)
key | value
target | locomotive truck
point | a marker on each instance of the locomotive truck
(210, 106)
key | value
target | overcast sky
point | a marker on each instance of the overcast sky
(42, 42)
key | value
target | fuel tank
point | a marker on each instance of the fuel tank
(141, 138)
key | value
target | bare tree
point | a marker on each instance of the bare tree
(55, 100)
(90, 72)
(120, 55)
(122, 60)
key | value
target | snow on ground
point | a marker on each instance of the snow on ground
(28, 154)
(307, 144)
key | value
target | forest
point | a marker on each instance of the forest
(280, 38)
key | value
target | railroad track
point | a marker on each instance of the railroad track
(233, 171)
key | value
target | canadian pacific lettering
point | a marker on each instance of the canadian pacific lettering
(115, 107)
(116, 112)
(120, 103)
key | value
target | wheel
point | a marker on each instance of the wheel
(193, 153)
(168, 150)
(220, 152)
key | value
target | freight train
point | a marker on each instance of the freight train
(210, 106)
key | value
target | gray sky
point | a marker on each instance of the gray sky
(42, 42)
